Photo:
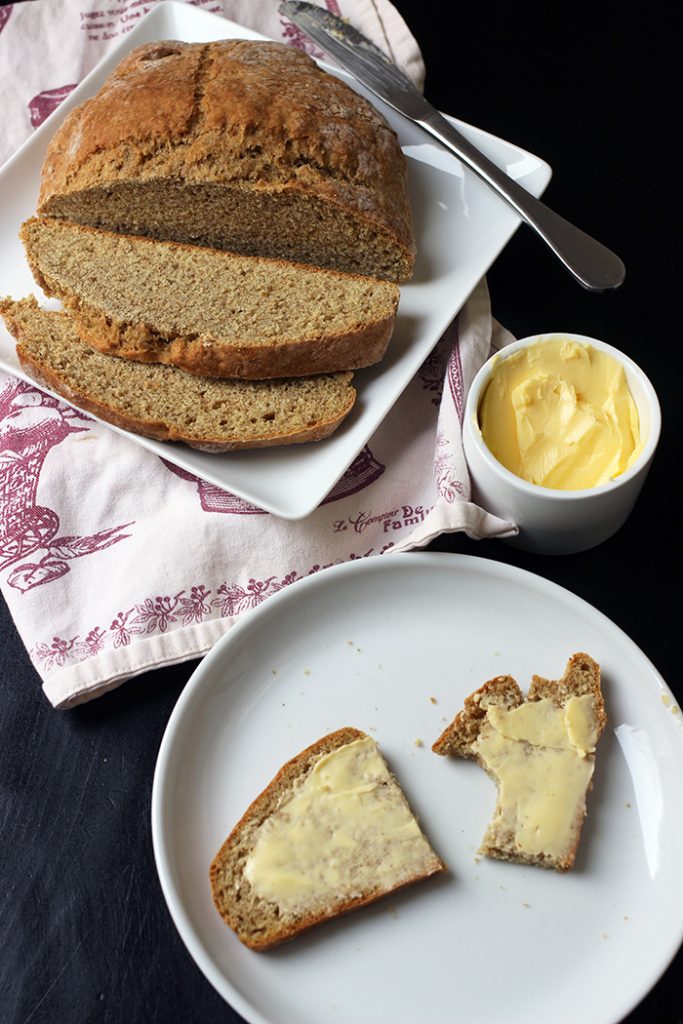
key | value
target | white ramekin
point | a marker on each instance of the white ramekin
(550, 521)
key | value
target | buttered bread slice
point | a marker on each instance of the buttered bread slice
(333, 831)
(541, 754)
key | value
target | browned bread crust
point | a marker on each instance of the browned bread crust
(259, 924)
(207, 311)
(236, 144)
(167, 404)
(581, 677)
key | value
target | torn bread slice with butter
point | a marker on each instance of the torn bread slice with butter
(541, 754)
(333, 831)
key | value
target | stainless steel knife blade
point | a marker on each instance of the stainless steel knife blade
(591, 263)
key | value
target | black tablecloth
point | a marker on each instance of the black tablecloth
(84, 931)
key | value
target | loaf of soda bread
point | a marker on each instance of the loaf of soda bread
(541, 754)
(241, 145)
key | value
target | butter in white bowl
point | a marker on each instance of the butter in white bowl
(560, 414)
(559, 434)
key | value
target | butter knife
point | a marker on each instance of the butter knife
(591, 263)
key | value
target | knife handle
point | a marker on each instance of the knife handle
(592, 264)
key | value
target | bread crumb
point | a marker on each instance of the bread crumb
(675, 710)
(391, 909)
(433, 700)
(418, 743)
(527, 905)
(627, 805)
(626, 917)
(274, 671)
(307, 671)
(350, 643)
(605, 935)
(665, 699)
(477, 860)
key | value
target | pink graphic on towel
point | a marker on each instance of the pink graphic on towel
(454, 374)
(363, 471)
(448, 486)
(42, 105)
(214, 499)
(4, 15)
(31, 424)
(163, 613)
(295, 36)
(431, 373)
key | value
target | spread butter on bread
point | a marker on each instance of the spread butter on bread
(541, 754)
(331, 832)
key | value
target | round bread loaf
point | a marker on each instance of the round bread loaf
(241, 145)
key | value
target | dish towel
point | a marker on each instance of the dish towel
(112, 560)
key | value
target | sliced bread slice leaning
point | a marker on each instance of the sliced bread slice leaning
(331, 832)
(167, 404)
(210, 312)
(541, 754)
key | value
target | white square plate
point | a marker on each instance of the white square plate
(460, 225)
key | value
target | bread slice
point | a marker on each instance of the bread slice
(210, 312)
(237, 144)
(167, 404)
(543, 767)
(331, 832)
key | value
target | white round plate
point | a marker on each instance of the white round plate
(393, 646)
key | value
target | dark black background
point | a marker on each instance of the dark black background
(84, 931)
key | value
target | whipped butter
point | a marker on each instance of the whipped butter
(559, 413)
(345, 829)
(541, 758)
